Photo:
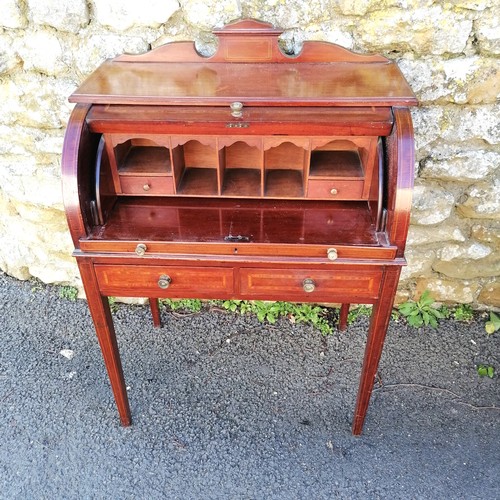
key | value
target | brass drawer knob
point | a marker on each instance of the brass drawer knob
(332, 254)
(146, 187)
(333, 191)
(140, 249)
(164, 281)
(308, 285)
(236, 109)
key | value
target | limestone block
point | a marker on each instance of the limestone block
(25, 181)
(34, 100)
(415, 30)
(483, 201)
(469, 269)
(64, 16)
(431, 204)
(355, 7)
(474, 251)
(487, 29)
(457, 164)
(41, 51)
(12, 15)
(459, 80)
(485, 86)
(35, 242)
(207, 14)
(478, 5)
(427, 125)
(94, 48)
(490, 294)
(470, 261)
(333, 32)
(44, 146)
(471, 123)
(121, 16)
(425, 235)
(9, 58)
(487, 233)
(419, 263)
(455, 292)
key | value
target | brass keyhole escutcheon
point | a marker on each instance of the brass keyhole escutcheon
(237, 109)
(164, 281)
(140, 249)
(308, 285)
(332, 254)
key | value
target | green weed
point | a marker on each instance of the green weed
(68, 293)
(463, 312)
(486, 371)
(187, 305)
(493, 324)
(357, 312)
(421, 312)
(272, 311)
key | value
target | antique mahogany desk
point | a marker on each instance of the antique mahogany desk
(249, 174)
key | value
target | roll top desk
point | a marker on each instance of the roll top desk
(249, 174)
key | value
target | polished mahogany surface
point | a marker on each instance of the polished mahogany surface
(299, 191)
(248, 66)
(257, 84)
(295, 120)
(231, 221)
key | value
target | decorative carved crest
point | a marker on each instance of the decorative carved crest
(254, 41)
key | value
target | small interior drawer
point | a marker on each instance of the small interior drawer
(335, 189)
(146, 185)
(311, 284)
(164, 281)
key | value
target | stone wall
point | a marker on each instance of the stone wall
(448, 50)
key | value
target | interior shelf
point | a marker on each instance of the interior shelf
(198, 182)
(336, 164)
(147, 160)
(242, 182)
(282, 183)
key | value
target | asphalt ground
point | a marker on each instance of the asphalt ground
(226, 407)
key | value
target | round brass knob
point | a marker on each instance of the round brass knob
(333, 191)
(140, 249)
(146, 187)
(308, 285)
(332, 254)
(164, 281)
(236, 109)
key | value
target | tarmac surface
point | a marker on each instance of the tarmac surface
(225, 407)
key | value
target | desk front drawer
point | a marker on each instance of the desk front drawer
(335, 189)
(142, 185)
(164, 281)
(311, 285)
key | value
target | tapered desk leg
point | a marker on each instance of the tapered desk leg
(381, 315)
(155, 311)
(103, 322)
(344, 312)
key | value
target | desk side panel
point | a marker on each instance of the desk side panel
(78, 173)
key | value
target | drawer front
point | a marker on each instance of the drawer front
(335, 189)
(164, 281)
(310, 284)
(143, 185)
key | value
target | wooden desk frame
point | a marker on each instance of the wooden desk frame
(323, 140)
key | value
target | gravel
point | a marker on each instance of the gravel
(226, 407)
